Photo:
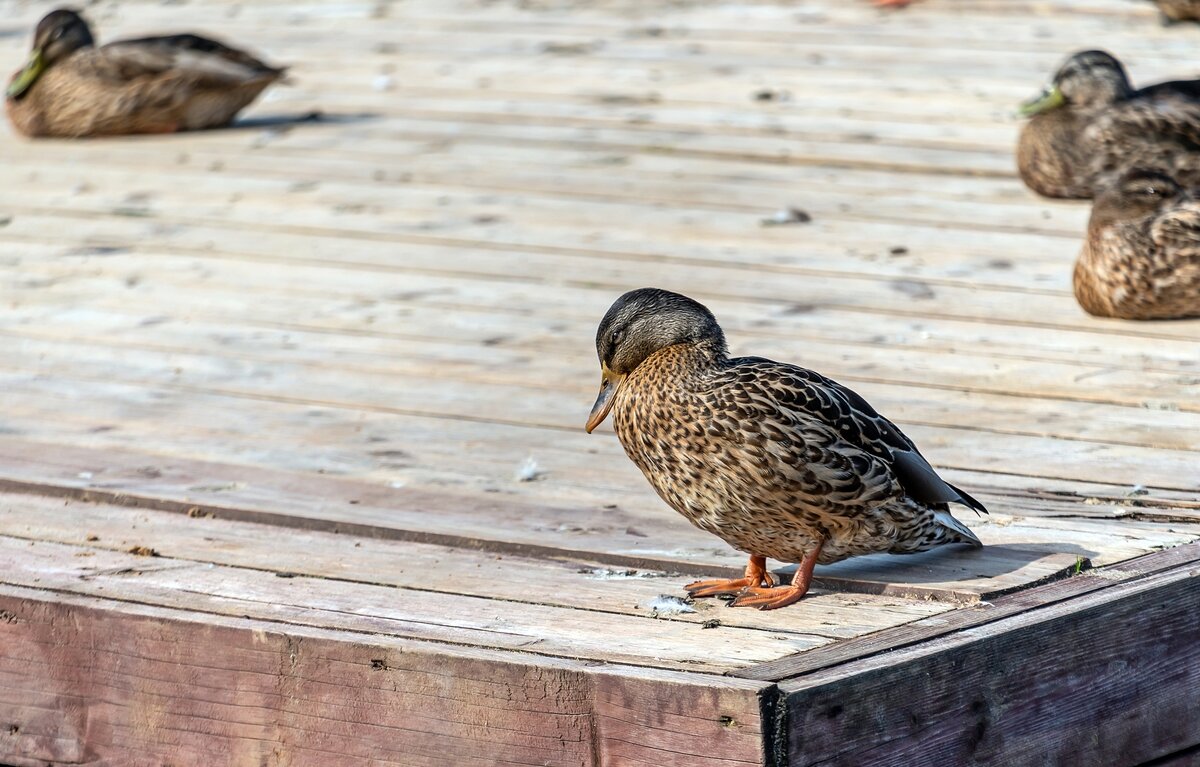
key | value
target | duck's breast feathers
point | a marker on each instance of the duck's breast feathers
(801, 405)
(190, 57)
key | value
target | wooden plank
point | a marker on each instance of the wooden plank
(1019, 603)
(436, 453)
(352, 307)
(990, 443)
(1189, 757)
(1009, 691)
(562, 581)
(535, 391)
(416, 613)
(494, 524)
(95, 679)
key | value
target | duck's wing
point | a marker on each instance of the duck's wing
(182, 58)
(1177, 237)
(884, 438)
(1154, 128)
(793, 404)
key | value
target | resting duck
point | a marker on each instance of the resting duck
(1179, 10)
(776, 460)
(71, 88)
(1090, 124)
(1141, 259)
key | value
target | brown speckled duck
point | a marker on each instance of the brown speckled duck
(1141, 259)
(71, 88)
(1179, 10)
(777, 460)
(1090, 124)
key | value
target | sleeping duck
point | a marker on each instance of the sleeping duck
(1141, 259)
(72, 88)
(1090, 124)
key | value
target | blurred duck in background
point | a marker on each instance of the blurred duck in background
(1141, 259)
(72, 88)
(1089, 125)
(1179, 10)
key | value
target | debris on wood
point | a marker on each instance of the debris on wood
(529, 470)
(787, 216)
(666, 604)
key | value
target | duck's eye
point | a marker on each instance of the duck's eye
(615, 337)
(58, 33)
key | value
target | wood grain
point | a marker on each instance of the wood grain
(89, 679)
(301, 360)
(926, 630)
(1014, 692)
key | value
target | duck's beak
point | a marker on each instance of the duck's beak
(610, 382)
(1050, 98)
(27, 76)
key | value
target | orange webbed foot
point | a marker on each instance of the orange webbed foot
(718, 587)
(774, 598)
(756, 576)
(769, 599)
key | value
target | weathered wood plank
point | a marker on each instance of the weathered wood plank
(1005, 606)
(415, 613)
(1010, 692)
(324, 503)
(88, 678)
(561, 581)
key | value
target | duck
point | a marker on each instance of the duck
(1174, 11)
(1141, 257)
(776, 460)
(70, 88)
(1089, 124)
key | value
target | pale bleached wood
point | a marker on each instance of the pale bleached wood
(544, 407)
(1022, 552)
(565, 582)
(403, 612)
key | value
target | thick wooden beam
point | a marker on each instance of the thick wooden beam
(98, 681)
(1112, 678)
(927, 629)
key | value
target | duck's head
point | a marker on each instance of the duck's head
(1087, 79)
(1135, 195)
(640, 323)
(59, 34)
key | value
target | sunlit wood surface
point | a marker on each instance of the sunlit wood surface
(350, 342)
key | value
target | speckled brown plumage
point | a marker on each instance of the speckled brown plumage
(775, 459)
(1091, 125)
(147, 85)
(1179, 10)
(1141, 260)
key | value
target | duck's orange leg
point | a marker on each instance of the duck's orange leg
(756, 577)
(774, 598)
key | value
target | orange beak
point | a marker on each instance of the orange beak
(610, 384)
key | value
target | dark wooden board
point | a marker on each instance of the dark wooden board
(926, 629)
(1109, 678)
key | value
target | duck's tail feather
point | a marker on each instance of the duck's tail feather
(947, 520)
(966, 500)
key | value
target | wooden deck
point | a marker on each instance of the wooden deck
(292, 466)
